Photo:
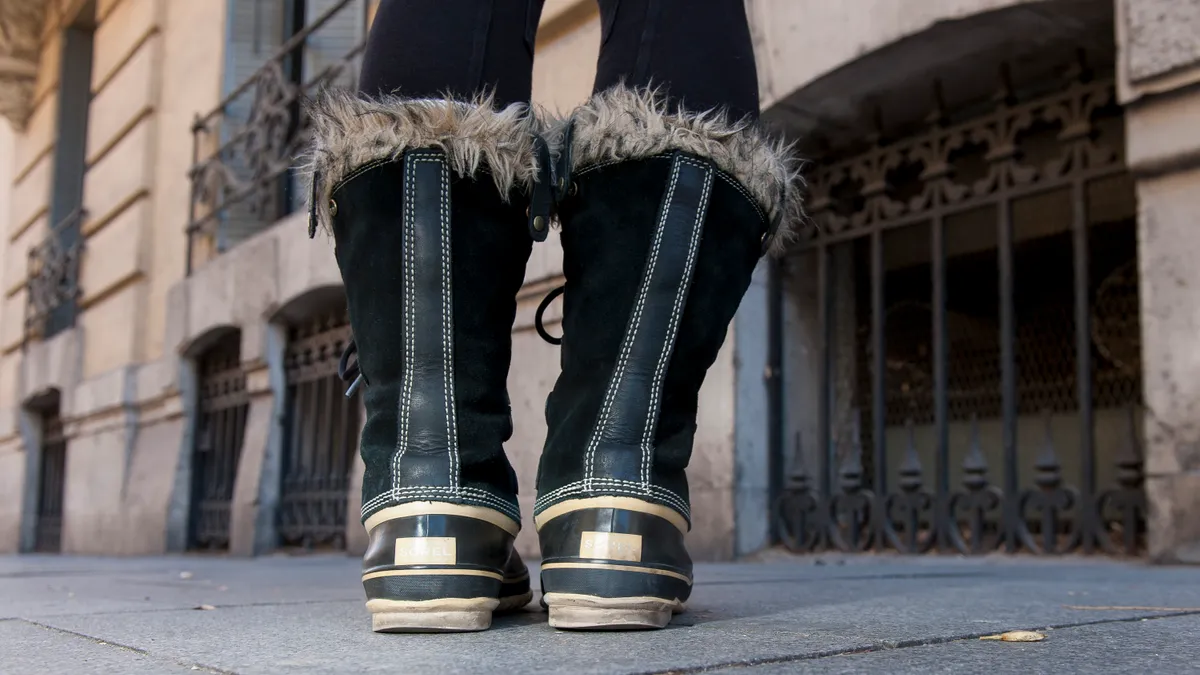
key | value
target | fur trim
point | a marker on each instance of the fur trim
(350, 131)
(622, 124)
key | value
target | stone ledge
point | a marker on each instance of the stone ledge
(1162, 135)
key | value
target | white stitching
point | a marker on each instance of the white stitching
(474, 493)
(617, 487)
(360, 171)
(581, 486)
(466, 493)
(719, 172)
(404, 403)
(668, 349)
(447, 329)
(439, 492)
(630, 333)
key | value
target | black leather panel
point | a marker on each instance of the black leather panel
(427, 411)
(625, 433)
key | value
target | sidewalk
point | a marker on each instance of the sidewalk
(785, 615)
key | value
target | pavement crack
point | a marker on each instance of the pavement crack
(900, 644)
(200, 667)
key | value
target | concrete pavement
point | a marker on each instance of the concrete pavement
(830, 614)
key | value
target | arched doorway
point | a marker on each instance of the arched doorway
(965, 344)
(321, 429)
(222, 405)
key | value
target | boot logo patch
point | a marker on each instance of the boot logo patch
(611, 546)
(426, 551)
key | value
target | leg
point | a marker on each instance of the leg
(699, 51)
(666, 209)
(431, 48)
(425, 197)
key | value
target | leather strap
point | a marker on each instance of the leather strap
(541, 200)
(562, 165)
(622, 443)
(427, 433)
(312, 205)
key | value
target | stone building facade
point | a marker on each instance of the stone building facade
(169, 335)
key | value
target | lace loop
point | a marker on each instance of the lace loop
(350, 372)
(537, 319)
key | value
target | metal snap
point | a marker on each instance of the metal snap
(539, 223)
(574, 189)
(332, 207)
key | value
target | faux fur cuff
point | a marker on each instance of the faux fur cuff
(622, 124)
(350, 131)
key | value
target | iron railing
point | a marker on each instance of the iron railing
(51, 482)
(220, 428)
(321, 437)
(243, 162)
(955, 296)
(52, 279)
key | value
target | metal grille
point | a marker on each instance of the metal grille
(51, 482)
(322, 428)
(976, 294)
(244, 151)
(220, 431)
(52, 281)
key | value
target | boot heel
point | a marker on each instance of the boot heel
(445, 615)
(445, 570)
(571, 611)
(613, 564)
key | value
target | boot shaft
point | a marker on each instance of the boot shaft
(432, 244)
(664, 218)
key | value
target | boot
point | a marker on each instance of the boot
(664, 217)
(426, 200)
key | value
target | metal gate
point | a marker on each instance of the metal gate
(51, 482)
(968, 302)
(321, 437)
(220, 430)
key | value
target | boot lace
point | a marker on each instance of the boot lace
(350, 372)
(537, 319)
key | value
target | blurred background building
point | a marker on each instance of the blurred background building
(987, 338)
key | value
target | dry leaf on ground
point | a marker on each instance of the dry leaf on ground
(1016, 636)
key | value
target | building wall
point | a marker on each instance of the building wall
(124, 370)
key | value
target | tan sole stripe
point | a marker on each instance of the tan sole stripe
(619, 568)
(623, 503)
(410, 509)
(433, 573)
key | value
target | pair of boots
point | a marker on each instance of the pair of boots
(434, 206)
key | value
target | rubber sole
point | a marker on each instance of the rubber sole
(445, 615)
(573, 611)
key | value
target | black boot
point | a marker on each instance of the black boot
(664, 217)
(427, 202)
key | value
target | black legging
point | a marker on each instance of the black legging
(698, 51)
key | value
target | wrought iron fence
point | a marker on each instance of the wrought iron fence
(220, 428)
(975, 294)
(51, 482)
(52, 280)
(244, 151)
(321, 436)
